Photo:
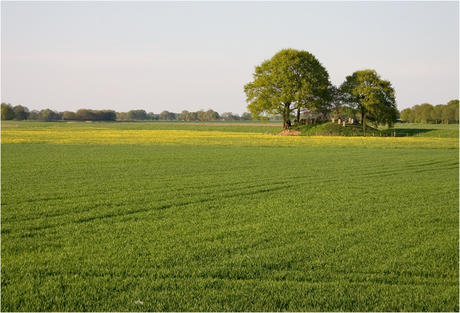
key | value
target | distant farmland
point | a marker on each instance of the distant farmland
(97, 216)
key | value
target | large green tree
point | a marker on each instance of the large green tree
(454, 105)
(450, 112)
(371, 96)
(21, 113)
(7, 112)
(290, 80)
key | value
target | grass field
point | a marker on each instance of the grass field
(427, 130)
(92, 222)
(399, 130)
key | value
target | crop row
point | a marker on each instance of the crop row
(205, 228)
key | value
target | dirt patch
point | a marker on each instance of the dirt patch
(325, 135)
(9, 125)
(289, 132)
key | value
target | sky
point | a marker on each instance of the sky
(174, 56)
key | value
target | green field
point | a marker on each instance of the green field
(230, 126)
(427, 130)
(398, 130)
(96, 227)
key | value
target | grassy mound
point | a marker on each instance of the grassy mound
(333, 129)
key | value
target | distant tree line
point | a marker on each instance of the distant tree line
(21, 113)
(424, 113)
(89, 115)
(429, 114)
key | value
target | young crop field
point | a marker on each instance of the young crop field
(122, 217)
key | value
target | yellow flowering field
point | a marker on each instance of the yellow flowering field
(103, 136)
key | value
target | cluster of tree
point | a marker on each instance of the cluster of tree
(136, 115)
(185, 115)
(427, 113)
(18, 112)
(211, 115)
(294, 83)
(229, 116)
(21, 113)
(89, 115)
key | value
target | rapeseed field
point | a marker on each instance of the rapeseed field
(99, 136)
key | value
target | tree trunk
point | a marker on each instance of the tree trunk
(298, 116)
(364, 123)
(286, 119)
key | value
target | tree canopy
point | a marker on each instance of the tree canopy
(372, 96)
(48, 115)
(290, 80)
(7, 112)
(137, 115)
(167, 116)
(21, 112)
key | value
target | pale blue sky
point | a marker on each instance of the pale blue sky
(198, 55)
